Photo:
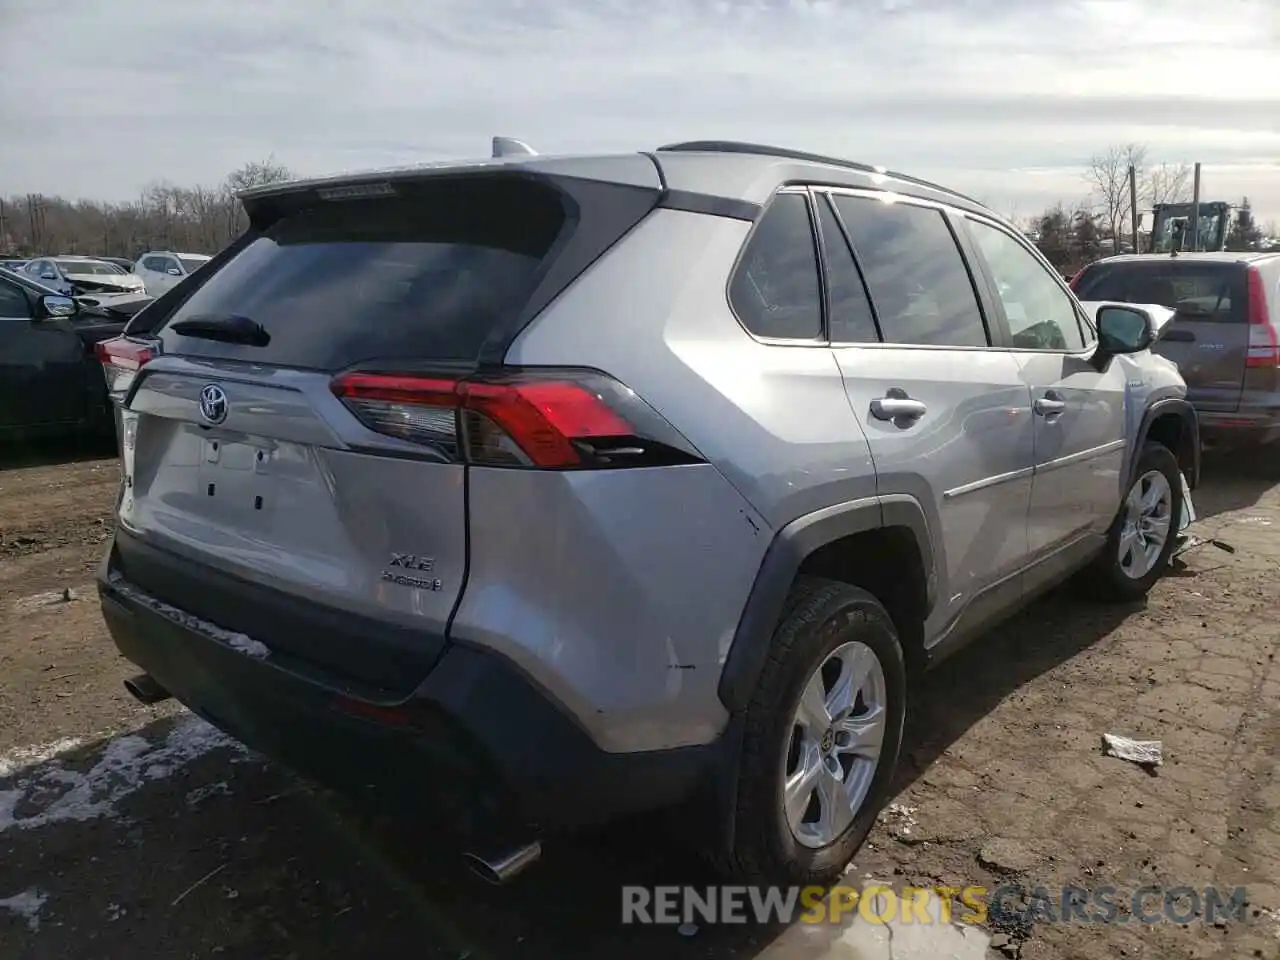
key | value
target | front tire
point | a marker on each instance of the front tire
(822, 736)
(1145, 531)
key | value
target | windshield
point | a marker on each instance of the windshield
(96, 268)
(192, 264)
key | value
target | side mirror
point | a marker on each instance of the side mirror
(1123, 329)
(174, 272)
(52, 306)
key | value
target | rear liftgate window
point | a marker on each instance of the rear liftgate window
(424, 274)
(1196, 291)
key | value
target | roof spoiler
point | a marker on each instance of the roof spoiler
(510, 147)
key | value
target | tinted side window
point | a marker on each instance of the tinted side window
(851, 319)
(154, 263)
(1040, 313)
(13, 302)
(917, 277)
(775, 290)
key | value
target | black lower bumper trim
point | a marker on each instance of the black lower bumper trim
(476, 737)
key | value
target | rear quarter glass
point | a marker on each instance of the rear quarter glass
(422, 275)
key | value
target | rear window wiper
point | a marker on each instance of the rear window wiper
(224, 328)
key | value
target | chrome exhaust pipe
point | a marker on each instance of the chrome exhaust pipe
(145, 689)
(501, 869)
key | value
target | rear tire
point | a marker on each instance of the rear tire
(1145, 531)
(837, 644)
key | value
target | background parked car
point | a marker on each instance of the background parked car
(12, 264)
(161, 269)
(1224, 335)
(50, 381)
(70, 276)
(121, 262)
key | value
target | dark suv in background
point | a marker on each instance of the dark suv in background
(1223, 335)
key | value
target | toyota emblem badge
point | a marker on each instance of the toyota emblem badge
(213, 403)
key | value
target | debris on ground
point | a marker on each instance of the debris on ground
(900, 819)
(1145, 753)
(1188, 542)
(1007, 856)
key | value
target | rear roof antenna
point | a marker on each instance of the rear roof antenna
(511, 147)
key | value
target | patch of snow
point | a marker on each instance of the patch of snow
(200, 794)
(126, 765)
(26, 905)
(236, 641)
(20, 758)
(248, 646)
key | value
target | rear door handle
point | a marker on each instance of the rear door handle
(896, 407)
(1178, 336)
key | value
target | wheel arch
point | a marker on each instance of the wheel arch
(1173, 423)
(867, 542)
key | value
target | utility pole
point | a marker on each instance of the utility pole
(1133, 204)
(1195, 211)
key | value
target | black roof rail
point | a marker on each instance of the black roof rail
(734, 146)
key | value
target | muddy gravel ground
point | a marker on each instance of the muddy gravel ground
(128, 831)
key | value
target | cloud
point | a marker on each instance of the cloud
(969, 92)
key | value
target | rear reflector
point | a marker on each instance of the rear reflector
(1264, 344)
(121, 360)
(551, 420)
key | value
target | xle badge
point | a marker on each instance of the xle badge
(417, 563)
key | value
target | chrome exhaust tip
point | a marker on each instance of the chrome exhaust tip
(502, 869)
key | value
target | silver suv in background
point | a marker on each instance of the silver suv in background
(162, 270)
(561, 488)
(1224, 334)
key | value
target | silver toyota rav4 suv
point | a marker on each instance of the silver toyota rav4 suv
(559, 488)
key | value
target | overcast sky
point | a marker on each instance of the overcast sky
(1003, 99)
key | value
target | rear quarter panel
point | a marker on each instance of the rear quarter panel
(773, 421)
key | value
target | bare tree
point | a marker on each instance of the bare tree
(1108, 176)
(199, 219)
(1167, 183)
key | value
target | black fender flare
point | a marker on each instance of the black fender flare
(1189, 455)
(788, 550)
(760, 615)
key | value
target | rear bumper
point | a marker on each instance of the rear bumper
(477, 739)
(1240, 429)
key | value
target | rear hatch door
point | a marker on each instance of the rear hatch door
(243, 464)
(1208, 337)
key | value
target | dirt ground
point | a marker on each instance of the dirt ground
(128, 831)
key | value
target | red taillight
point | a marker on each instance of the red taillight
(1075, 279)
(1264, 344)
(562, 420)
(121, 360)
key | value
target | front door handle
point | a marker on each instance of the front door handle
(894, 407)
(1050, 405)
